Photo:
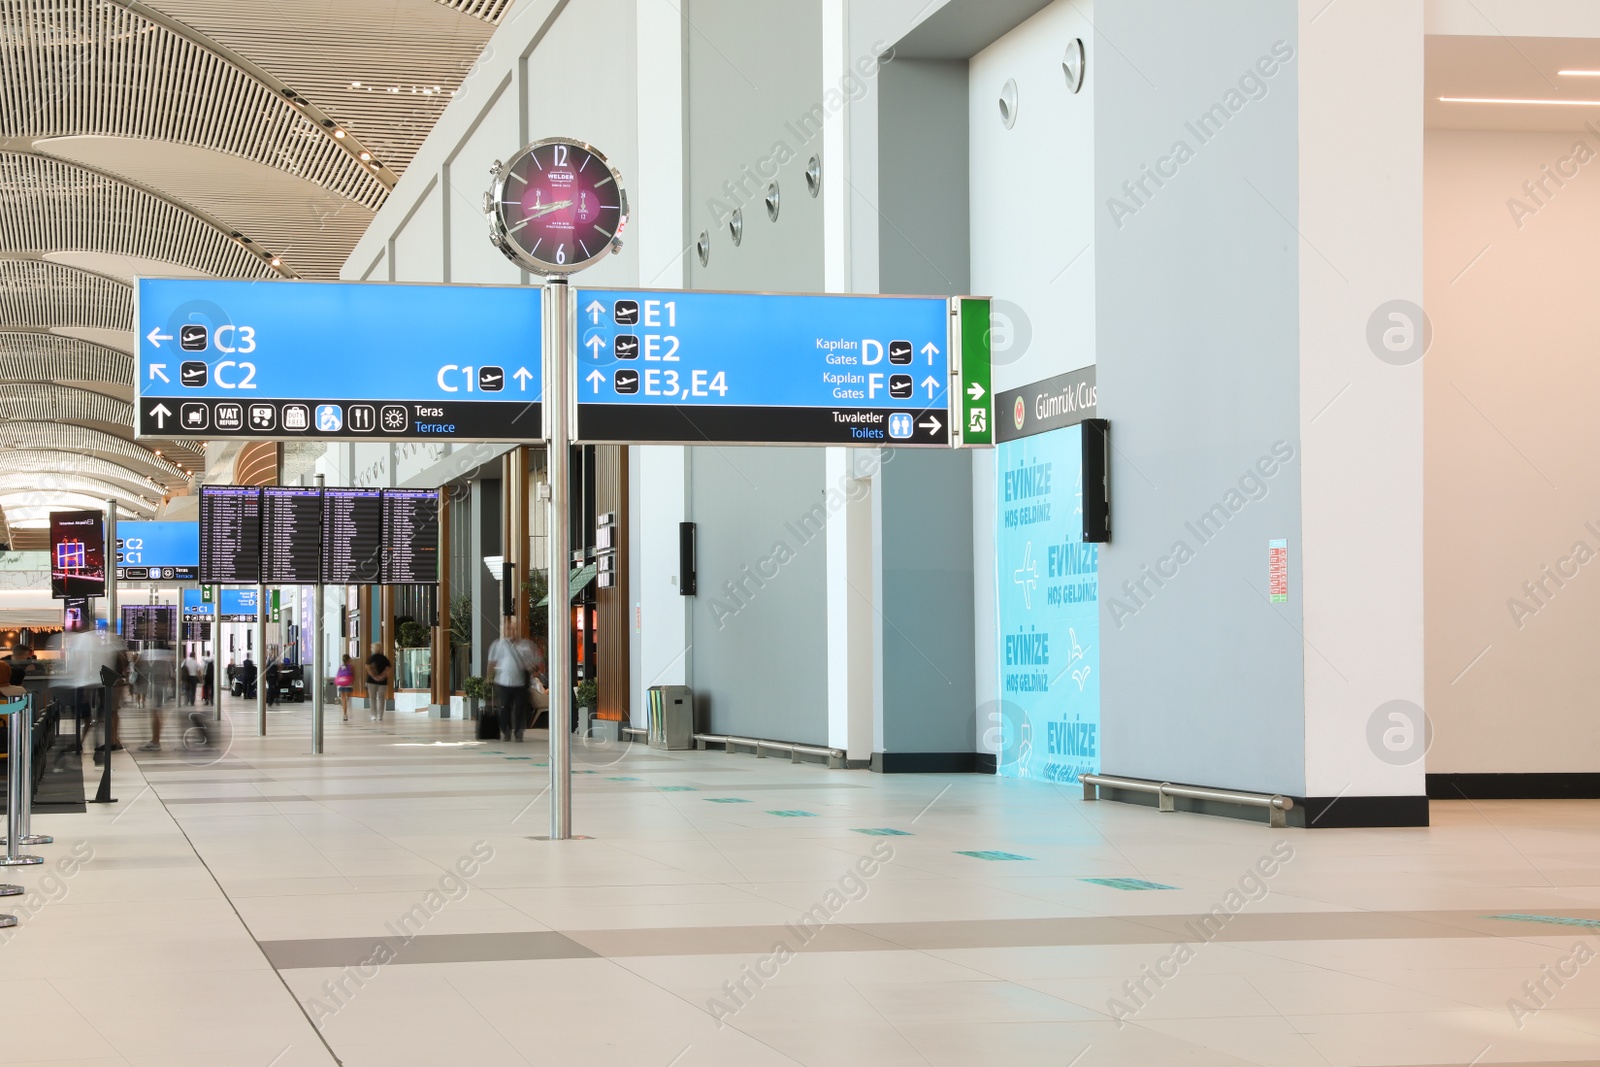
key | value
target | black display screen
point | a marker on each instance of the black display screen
(411, 536)
(352, 536)
(291, 536)
(230, 535)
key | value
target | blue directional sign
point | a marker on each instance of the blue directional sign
(158, 551)
(195, 607)
(238, 605)
(699, 367)
(341, 360)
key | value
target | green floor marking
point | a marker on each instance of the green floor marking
(991, 854)
(726, 800)
(794, 814)
(1126, 883)
(884, 831)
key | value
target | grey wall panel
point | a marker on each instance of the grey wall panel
(760, 658)
(927, 602)
(755, 112)
(1198, 338)
(924, 241)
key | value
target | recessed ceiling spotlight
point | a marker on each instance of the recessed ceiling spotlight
(276, 262)
(355, 85)
(339, 134)
(366, 157)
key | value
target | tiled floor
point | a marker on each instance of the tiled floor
(265, 908)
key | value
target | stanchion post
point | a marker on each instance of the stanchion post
(21, 759)
(317, 665)
(261, 659)
(559, 353)
(16, 790)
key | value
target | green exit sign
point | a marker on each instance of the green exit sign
(971, 402)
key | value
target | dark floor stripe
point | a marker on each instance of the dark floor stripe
(424, 948)
(900, 936)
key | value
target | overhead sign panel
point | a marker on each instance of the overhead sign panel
(705, 367)
(338, 360)
(239, 605)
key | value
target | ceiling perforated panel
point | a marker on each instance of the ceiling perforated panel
(87, 466)
(56, 437)
(42, 357)
(89, 66)
(46, 205)
(383, 69)
(62, 403)
(43, 295)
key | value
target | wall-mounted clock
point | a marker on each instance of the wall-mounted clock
(556, 207)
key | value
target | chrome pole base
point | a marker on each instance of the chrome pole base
(21, 861)
(7, 921)
(11, 891)
(33, 839)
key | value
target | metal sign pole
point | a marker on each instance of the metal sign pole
(108, 708)
(261, 659)
(559, 354)
(316, 663)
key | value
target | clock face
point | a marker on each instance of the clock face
(560, 206)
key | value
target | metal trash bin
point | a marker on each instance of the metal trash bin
(671, 710)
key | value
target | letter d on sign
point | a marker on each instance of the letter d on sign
(871, 352)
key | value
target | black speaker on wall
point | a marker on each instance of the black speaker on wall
(508, 589)
(688, 580)
(1096, 480)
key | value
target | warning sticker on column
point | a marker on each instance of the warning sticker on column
(1278, 571)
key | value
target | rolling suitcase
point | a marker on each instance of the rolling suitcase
(489, 725)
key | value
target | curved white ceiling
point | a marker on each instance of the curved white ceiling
(188, 138)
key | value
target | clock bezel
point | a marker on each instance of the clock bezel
(500, 235)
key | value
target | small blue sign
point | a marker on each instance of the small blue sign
(700, 367)
(237, 605)
(227, 357)
(195, 608)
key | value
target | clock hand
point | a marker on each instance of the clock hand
(541, 212)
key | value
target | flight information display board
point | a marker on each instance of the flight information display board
(230, 535)
(352, 536)
(291, 535)
(411, 536)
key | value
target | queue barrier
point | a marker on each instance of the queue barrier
(19, 789)
(1277, 805)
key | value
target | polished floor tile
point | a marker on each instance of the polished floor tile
(231, 908)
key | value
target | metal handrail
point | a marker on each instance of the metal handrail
(834, 756)
(1275, 803)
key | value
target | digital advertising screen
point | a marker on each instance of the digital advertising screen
(77, 554)
(1048, 716)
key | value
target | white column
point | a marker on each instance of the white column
(1361, 94)
(661, 614)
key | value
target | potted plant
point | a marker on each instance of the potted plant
(588, 694)
(476, 690)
